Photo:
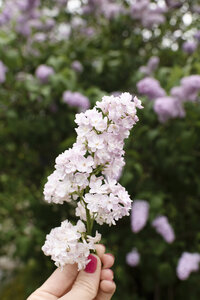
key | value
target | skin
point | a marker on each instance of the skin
(70, 284)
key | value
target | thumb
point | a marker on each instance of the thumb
(86, 284)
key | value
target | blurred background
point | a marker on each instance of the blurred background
(59, 57)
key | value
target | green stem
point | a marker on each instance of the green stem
(89, 222)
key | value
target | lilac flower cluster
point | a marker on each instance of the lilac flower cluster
(77, 66)
(150, 87)
(43, 73)
(149, 16)
(109, 9)
(86, 174)
(151, 66)
(139, 215)
(188, 263)
(133, 258)
(167, 107)
(69, 244)
(76, 100)
(163, 227)
(189, 46)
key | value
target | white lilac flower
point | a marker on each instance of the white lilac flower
(69, 244)
(139, 215)
(188, 262)
(86, 174)
(163, 227)
(133, 258)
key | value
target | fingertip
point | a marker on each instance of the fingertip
(100, 249)
(107, 274)
(108, 286)
(108, 260)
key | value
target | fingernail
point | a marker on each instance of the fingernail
(92, 265)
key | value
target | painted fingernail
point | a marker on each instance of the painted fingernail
(92, 265)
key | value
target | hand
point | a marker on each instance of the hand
(93, 283)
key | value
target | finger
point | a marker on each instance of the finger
(86, 284)
(60, 281)
(107, 261)
(106, 290)
(107, 274)
(100, 249)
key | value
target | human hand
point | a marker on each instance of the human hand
(93, 283)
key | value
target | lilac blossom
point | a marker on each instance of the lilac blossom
(150, 87)
(191, 87)
(76, 99)
(133, 258)
(151, 66)
(69, 244)
(174, 4)
(43, 73)
(77, 66)
(197, 36)
(151, 18)
(189, 46)
(3, 70)
(112, 10)
(85, 174)
(6, 14)
(178, 92)
(139, 215)
(167, 108)
(163, 227)
(188, 263)
(142, 10)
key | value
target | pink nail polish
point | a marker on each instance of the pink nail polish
(92, 265)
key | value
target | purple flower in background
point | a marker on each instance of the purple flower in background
(112, 10)
(173, 4)
(197, 35)
(43, 73)
(6, 15)
(150, 87)
(178, 92)
(148, 16)
(28, 5)
(133, 258)
(151, 66)
(189, 46)
(191, 87)
(76, 99)
(77, 66)
(163, 227)
(3, 70)
(139, 215)
(188, 262)
(167, 108)
(151, 18)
